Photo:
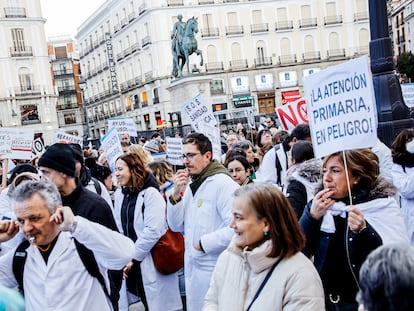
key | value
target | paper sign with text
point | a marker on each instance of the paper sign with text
(213, 133)
(408, 94)
(64, 138)
(16, 143)
(341, 107)
(123, 126)
(174, 150)
(111, 144)
(197, 111)
(292, 114)
(250, 118)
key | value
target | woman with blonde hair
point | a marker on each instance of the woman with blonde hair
(141, 152)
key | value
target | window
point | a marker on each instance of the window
(70, 118)
(18, 39)
(156, 98)
(216, 87)
(144, 98)
(25, 79)
(29, 114)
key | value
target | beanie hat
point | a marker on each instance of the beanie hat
(59, 157)
(77, 152)
(151, 146)
(21, 168)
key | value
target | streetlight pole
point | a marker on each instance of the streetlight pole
(82, 86)
(393, 114)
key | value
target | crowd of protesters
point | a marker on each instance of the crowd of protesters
(266, 226)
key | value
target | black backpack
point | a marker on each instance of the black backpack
(85, 254)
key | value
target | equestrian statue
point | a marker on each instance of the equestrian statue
(184, 44)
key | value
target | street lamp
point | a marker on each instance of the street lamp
(82, 86)
(393, 114)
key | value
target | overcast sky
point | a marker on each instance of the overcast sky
(64, 17)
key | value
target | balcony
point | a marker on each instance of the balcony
(360, 16)
(66, 90)
(205, 2)
(142, 8)
(134, 47)
(67, 106)
(124, 22)
(309, 57)
(283, 25)
(335, 54)
(21, 52)
(229, 1)
(60, 73)
(254, 28)
(27, 91)
(131, 16)
(123, 86)
(175, 2)
(14, 12)
(308, 22)
(214, 66)
(119, 56)
(148, 75)
(234, 30)
(238, 64)
(117, 27)
(210, 32)
(263, 61)
(146, 41)
(287, 59)
(138, 81)
(332, 20)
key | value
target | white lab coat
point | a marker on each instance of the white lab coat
(205, 216)
(267, 171)
(64, 283)
(161, 291)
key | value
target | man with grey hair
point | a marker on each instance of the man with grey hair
(55, 275)
(386, 279)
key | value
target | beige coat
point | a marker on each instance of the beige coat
(294, 284)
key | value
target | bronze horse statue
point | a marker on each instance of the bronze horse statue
(181, 52)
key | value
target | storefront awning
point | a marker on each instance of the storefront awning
(290, 96)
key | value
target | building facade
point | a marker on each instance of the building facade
(255, 55)
(66, 73)
(27, 96)
(401, 23)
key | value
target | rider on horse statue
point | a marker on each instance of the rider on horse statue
(177, 33)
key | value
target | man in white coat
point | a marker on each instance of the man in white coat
(200, 206)
(55, 277)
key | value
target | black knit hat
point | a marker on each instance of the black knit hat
(59, 157)
(77, 152)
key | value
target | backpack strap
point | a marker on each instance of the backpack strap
(89, 261)
(19, 260)
(96, 185)
(278, 166)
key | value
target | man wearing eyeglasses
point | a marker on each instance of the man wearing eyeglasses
(200, 206)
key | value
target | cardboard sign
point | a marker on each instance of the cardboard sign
(198, 112)
(111, 144)
(341, 107)
(174, 150)
(123, 126)
(292, 114)
(16, 143)
(64, 138)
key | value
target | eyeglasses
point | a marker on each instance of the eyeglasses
(189, 156)
(236, 170)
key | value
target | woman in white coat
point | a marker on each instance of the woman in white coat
(140, 214)
(263, 267)
(402, 151)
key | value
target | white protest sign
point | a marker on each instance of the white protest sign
(123, 126)
(292, 114)
(16, 143)
(64, 138)
(111, 144)
(174, 150)
(341, 107)
(37, 147)
(213, 133)
(197, 111)
(408, 94)
(250, 118)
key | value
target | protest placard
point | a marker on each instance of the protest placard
(292, 114)
(16, 143)
(111, 144)
(408, 94)
(38, 147)
(213, 133)
(65, 138)
(250, 118)
(341, 107)
(123, 126)
(197, 111)
(174, 150)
